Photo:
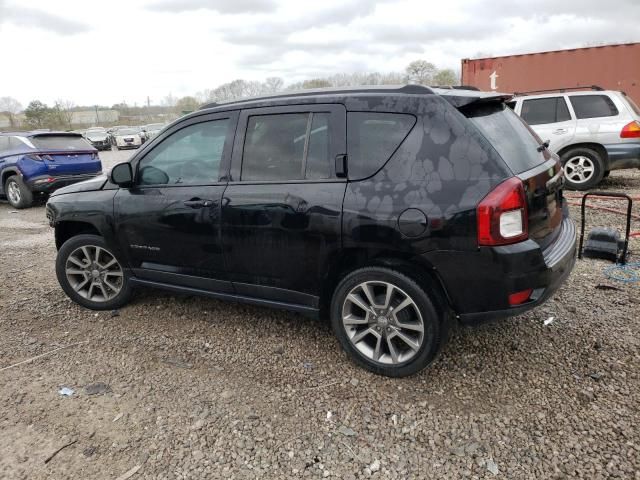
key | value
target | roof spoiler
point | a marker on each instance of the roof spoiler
(459, 101)
(53, 134)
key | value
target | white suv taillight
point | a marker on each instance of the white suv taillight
(502, 214)
(631, 130)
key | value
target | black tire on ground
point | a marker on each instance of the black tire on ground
(606, 173)
(573, 159)
(22, 196)
(409, 360)
(62, 262)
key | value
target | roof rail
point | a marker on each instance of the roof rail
(563, 89)
(457, 87)
(407, 89)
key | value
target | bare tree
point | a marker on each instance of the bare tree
(421, 72)
(63, 110)
(11, 107)
(273, 85)
(169, 100)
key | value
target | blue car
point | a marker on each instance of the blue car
(37, 163)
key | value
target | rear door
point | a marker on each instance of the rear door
(598, 118)
(551, 119)
(282, 209)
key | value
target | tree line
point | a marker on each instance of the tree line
(39, 115)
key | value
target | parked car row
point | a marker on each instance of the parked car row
(135, 136)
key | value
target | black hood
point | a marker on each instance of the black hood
(85, 186)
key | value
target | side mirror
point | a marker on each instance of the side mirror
(122, 175)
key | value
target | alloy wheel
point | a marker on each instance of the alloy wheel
(383, 322)
(579, 169)
(13, 192)
(94, 273)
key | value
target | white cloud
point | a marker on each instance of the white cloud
(127, 50)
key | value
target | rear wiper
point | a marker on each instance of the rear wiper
(543, 146)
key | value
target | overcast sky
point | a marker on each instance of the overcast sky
(113, 51)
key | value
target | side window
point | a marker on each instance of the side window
(593, 106)
(288, 146)
(562, 111)
(545, 110)
(372, 138)
(189, 156)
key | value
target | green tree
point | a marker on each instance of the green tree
(445, 78)
(316, 83)
(37, 114)
(187, 104)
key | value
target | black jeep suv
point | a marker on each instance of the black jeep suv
(394, 210)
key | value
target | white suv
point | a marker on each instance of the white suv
(593, 131)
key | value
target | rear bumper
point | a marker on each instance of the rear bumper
(47, 183)
(479, 283)
(623, 155)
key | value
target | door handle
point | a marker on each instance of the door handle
(198, 203)
(560, 131)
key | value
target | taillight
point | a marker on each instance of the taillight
(518, 298)
(631, 130)
(502, 214)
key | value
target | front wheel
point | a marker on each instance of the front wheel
(386, 322)
(91, 275)
(583, 168)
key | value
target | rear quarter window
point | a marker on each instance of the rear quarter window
(593, 106)
(633, 105)
(372, 138)
(62, 142)
(510, 136)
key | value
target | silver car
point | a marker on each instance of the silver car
(593, 131)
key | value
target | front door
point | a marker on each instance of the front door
(550, 119)
(169, 222)
(282, 209)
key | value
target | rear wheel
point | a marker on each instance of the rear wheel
(386, 322)
(583, 168)
(18, 194)
(91, 275)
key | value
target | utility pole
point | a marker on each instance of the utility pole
(97, 116)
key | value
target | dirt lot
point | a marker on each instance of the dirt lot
(202, 389)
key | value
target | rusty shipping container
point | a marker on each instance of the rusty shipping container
(613, 67)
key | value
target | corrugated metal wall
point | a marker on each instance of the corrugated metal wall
(613, 67)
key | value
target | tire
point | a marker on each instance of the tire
(74, 271)
(583, 168)
(376, 336)
(17, 192)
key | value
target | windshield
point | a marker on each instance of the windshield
(510, 136)
(127, 131)
(96, 133)
(60, 142)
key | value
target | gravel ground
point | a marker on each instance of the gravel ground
(195, 388)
